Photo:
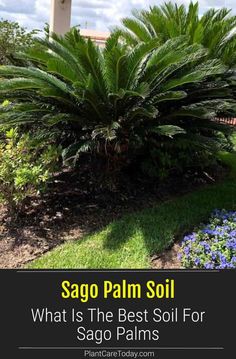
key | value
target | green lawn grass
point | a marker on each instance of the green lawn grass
(129, 242)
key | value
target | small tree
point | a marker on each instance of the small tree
(13, 38)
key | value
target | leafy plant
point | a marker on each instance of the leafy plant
(214, 30)
(212, 246)
(25, 168)
(119, 103)
(13, 38)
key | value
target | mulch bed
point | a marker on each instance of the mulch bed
(168, 259)
(77, 205)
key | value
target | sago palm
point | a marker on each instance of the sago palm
(216, 29)
(120, 100)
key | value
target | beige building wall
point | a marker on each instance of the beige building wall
(99, 37)
(60, 22)
(60, 16)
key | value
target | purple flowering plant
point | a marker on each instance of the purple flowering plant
(212, 246)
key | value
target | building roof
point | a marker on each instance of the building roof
(98, 36)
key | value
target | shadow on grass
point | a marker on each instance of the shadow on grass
(159, 227)
(130, 241)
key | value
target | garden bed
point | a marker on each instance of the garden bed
(76, 206)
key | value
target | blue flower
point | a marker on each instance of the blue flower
(213, 245)
(186, 250)
(197, 261)
(233, 260)
(209, 265)
(179, 256)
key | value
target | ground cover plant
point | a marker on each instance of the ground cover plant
(214, 245)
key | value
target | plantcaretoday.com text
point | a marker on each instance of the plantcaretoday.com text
(118, 354)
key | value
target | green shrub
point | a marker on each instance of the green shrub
(25, 168)
(13, 38)
(214, 29)
(121, 104)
